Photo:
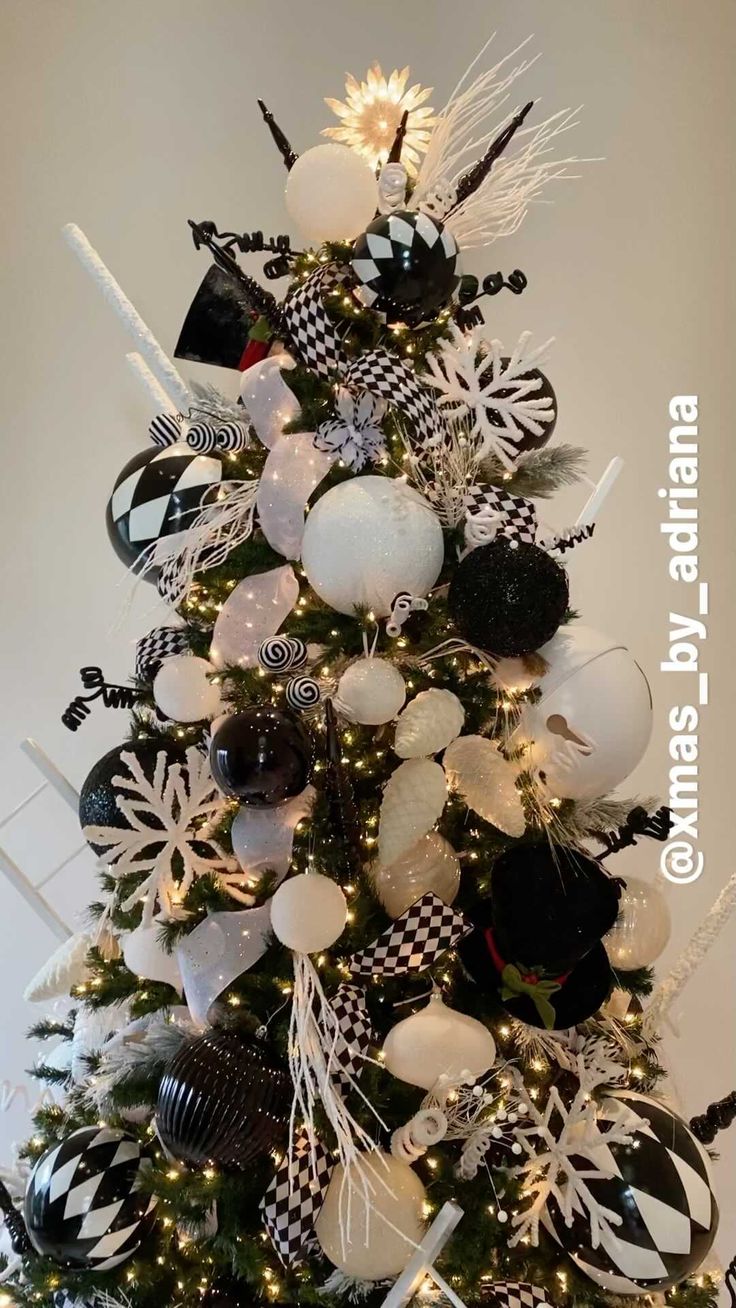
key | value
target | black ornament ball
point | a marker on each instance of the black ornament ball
(84, 1207)
(508, 597)
(660, 1187)
(262, 756)
(158, 493)
(537, 393)
(98, 798)
(404, 264)
(223, 1099)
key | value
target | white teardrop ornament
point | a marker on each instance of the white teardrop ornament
(438, 1042)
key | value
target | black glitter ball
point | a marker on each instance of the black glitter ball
(98, 799)
(508, 598)
(524, 439)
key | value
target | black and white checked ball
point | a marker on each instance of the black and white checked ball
(282, 653)
(84, 1207)
(404, 264)
(158, 493)
(660, 1187)
(302, 693)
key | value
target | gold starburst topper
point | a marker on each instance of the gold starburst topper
(372, 111)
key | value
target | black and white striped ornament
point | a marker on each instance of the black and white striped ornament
(302, 693)
(202, 437)
(282, 654)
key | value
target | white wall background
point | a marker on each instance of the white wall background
(130, 118)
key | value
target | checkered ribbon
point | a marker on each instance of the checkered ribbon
(514, 1294)
(414, 941)
(291, 1204)
(315, 339)
(516, 518)
(161, 643)
(202, 437)
(351, 1011)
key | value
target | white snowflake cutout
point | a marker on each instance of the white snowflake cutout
(355, 436)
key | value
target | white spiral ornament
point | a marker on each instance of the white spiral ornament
(424, 1129)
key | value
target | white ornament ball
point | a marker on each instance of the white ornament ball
(145, 957)
(308, 913)
(369, 538)
(430, 865)
(371, 691)
(182, 689)
(376, 1234)
(438, 1041)
(642, 927)
(592, 722)
(331, 194)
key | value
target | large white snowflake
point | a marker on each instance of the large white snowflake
(496, 393)
(166, 841)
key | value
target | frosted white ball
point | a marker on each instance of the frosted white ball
(438, 1041)
(331, 194)
(369, 538)
(380, 1237)
(430, 865)
(182, 689)
(592, 722)
(371, 691)
(308, 913)
(642, 927)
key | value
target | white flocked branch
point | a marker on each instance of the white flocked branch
(691, 957)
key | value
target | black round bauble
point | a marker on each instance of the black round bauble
(222, 1099)
(98, 798)
(524, 439)
(661, 1190)
(262, 756)
(84, 1207)
(508, 597)
(404, 264)
(158, 493)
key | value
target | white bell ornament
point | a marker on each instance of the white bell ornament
(369, 538)
(429, 866)
(428, 724)
(308, 913)
(438, 1042)
(642, 928)
(374, 1235)
(184, 690)
(371, 691)
(331, 193)
(593, 720)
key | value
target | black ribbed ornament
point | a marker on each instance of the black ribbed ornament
(222, 1099)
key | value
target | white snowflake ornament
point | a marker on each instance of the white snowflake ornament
(355, 435)
(505, 398)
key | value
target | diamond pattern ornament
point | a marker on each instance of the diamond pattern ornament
(84, 1207)
(660, 1188)
(501, 514)
(412, 943)
(405, 266)
(160, 644)
(515, 1294)
(158, 493)
(294, 1198)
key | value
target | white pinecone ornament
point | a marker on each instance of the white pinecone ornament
(487, 782)
(428, 724)
(413, 800)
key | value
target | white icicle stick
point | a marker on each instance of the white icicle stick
(691, 957)
(594, 503)
(151, 384)
(172, 382)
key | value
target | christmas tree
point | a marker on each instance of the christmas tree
(361, 1009)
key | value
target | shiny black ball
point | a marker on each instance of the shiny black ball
(404, 265)
(508, 598)
(98, 798)
(262, 756)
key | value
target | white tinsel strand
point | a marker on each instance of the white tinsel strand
(216, 531)
(690, 959)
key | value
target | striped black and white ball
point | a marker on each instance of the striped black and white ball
(84, 1207)
(660, 1187)
(302, 693)
(404, 264)
(282, 653)
(158, 493)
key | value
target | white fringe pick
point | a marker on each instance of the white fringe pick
(217, 529)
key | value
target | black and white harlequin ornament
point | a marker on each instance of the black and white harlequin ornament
(282, 654)
(660, 1187)
(158, 493)
(84, 1207)
(514, 1294)
(508, 597)
(404, 264)
(302, 693)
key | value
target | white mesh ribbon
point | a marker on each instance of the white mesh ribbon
(292, 471)
(255, 610)
(217, 952)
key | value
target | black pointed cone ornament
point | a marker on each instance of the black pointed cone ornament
(216, 327)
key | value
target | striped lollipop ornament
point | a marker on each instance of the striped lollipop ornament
(282, 654)
(302, 693)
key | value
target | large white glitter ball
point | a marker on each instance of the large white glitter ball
(331, 194)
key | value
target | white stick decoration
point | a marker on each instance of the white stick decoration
(142, 373)
(172, 382)
(421, 1262)
(691, 957)
(594, 503)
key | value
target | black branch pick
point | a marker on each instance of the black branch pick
(717, 1117)
(283, 144)
(14, 1224)
(262, 301)
(340, 793)
(394, 155)
(472, 179)
(656, 826)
